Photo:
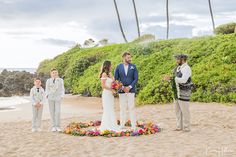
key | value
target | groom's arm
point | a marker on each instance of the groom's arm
(135, 78)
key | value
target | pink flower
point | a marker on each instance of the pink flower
(141, 131)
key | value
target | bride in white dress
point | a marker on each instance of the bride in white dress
(109, 121)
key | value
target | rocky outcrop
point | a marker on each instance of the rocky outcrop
(18, 82)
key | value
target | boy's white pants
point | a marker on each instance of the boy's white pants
(37, 117)
(55, 112)
(127, 99)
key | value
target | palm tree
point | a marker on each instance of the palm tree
(136, 17)
(118, 16)
(212, 18)
(167, 19)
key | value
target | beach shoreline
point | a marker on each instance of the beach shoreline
(72, 105)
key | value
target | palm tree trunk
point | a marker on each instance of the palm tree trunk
(118, 16)
(136, 17)
(167, 19)
(212, 18)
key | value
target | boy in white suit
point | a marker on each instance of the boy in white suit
(55, 91)
(37, 96)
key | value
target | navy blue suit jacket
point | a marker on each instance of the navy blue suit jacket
(130, 80)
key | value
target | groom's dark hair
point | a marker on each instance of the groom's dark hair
(126, 54)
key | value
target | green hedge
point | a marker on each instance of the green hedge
(213, 62)
(228, 28)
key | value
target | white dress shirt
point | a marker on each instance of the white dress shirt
(126, 67)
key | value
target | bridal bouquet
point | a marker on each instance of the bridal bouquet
(116, 85)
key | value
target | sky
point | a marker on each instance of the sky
(34, 30)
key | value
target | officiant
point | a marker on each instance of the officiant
(182, 85)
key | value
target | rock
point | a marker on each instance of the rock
(1, 86)
(18, 82)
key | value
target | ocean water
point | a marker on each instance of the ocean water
(31, 70)
(12, 102)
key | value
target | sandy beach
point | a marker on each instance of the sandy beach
(213, 132)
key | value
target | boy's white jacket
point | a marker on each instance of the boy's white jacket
(37, 97)
(55, 91)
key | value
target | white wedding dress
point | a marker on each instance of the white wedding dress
(109, 121)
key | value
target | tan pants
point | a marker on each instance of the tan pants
(127, 99)
(182, 114)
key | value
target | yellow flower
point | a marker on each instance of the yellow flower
(105, 132)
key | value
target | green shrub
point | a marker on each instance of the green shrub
(145, 38)
(212, 60)
(228, 28)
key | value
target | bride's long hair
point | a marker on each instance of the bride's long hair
(105, 68)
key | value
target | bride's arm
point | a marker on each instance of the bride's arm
(113, 78)
(103, 82)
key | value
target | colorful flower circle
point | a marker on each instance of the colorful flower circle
(79, 129)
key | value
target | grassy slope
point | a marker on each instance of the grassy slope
(213, 62)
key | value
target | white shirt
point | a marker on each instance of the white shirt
(126, 67)
(186, 73)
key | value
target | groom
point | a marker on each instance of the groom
(127, 74)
